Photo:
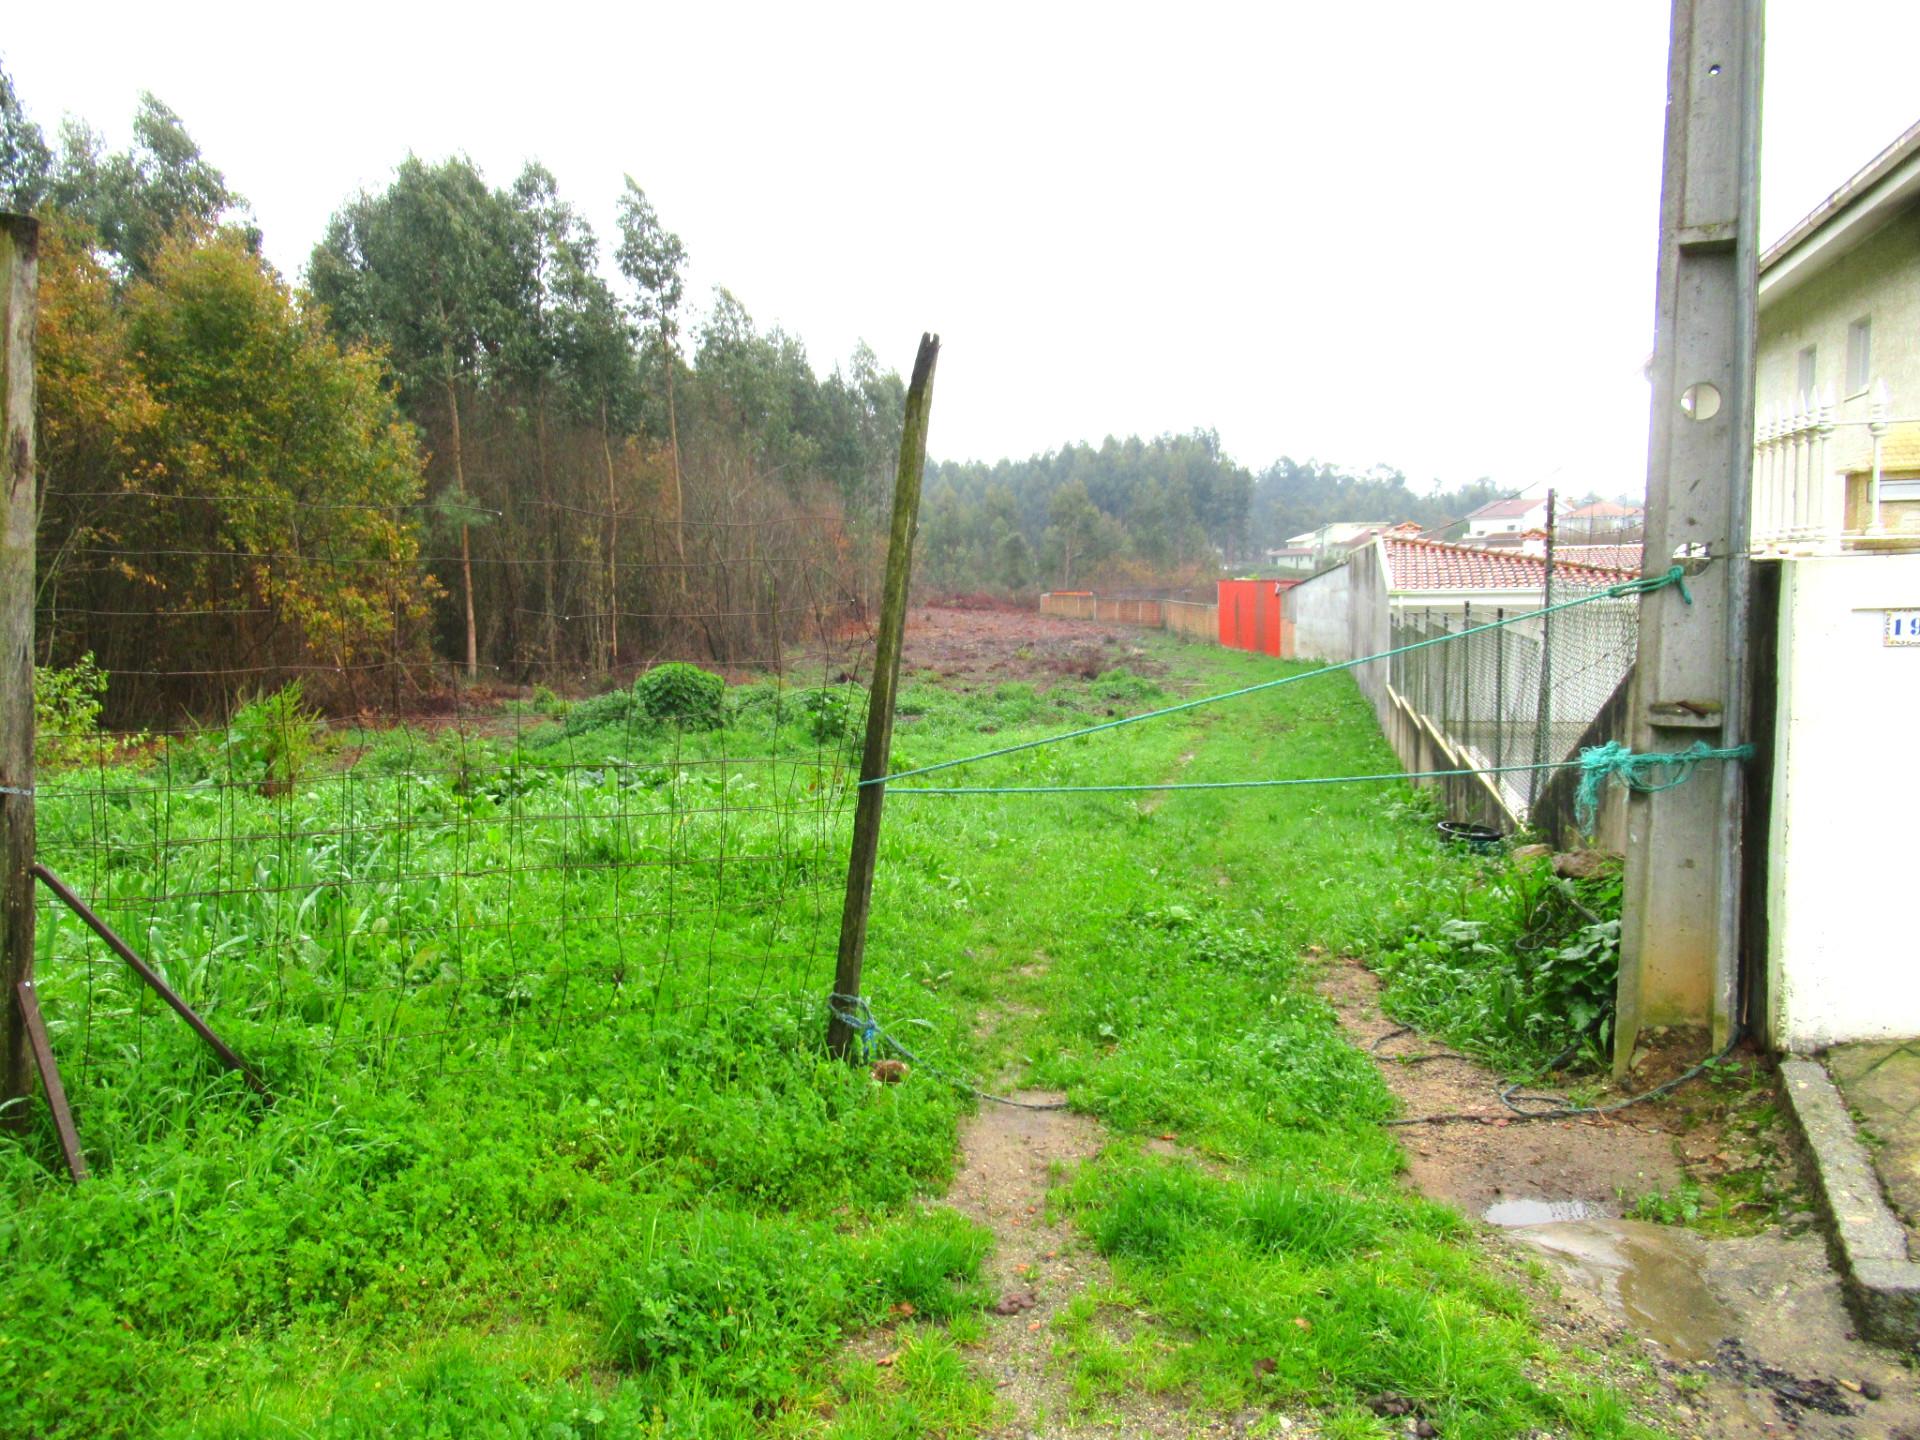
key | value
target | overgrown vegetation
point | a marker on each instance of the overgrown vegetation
(1508, 961)
(541, 1163)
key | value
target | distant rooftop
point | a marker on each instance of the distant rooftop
(1604, 510)
(1509, 509)
(1416, 564)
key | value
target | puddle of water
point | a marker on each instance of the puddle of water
(1540, 1212)
(1649, 1274)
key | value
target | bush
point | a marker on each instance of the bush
(683, 695)
(832, 711)
(66, 713)
(600, 712)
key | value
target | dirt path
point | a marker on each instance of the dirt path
(1749, 1334)
(1009, 1159)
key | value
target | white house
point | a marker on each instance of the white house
(1329, 544)
(1836, 527)
(1507, 517)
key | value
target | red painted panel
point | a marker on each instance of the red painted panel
(1252, 616)
(1269, 617)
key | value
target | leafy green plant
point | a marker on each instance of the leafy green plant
(273, 740)
(67, 701)
(598, 712)
(832, 712)
(683, 695)
(1679, 1206)
(1517, 964)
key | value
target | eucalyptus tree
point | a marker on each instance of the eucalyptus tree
(571, 352)
(598, 381)
(26, 163)
(654, 261)
(135, 199)
(429, 269)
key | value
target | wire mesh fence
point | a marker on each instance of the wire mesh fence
(1519, 693)
(459, 872)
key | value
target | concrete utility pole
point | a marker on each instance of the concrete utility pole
(1680, 934)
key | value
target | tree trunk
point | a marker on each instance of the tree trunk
(552, 626)
(679, 494)
(613, 548)
(466, 548)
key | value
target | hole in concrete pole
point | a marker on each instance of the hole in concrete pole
(1713, 69)
(1701, 401)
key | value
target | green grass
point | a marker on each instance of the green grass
(554, 1151)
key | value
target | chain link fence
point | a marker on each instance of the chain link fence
(1511, 692)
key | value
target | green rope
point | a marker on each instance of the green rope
(1596, 763)
(1600, 763)
(1643, 586)
(1221, 784)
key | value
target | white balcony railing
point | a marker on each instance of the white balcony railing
(1800, 494)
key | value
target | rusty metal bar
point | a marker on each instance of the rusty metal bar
(146, 972)
(50, 1079)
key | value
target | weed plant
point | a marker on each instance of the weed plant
(1512, 963)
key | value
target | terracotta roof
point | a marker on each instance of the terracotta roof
(1436, 565)
(1607, 557)
(1603, 509)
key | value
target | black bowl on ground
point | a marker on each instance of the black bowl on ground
(1466, 832)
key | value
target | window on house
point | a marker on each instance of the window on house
(1859, 354)
(1809, 371)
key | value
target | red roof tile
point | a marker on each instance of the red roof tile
(1607, 557)
(1414, 564)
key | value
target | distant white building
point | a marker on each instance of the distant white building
(1506, 517)
(1285, 560)
(1328, 546)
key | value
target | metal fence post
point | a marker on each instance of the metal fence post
(1466, 672)
(1500, 687)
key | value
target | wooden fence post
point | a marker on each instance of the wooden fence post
(19, 285)
(886, 677)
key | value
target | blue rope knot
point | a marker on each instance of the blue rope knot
(852, 1011)
(1637, 770)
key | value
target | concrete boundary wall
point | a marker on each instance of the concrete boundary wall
(1192, 619)
(1181, 617)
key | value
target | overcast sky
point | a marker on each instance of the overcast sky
(1407, 233)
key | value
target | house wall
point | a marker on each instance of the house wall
(1319, 611)
(1846, 801)
(1881, 280)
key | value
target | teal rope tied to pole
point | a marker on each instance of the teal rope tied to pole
(1647, 584)
(1637, 770)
